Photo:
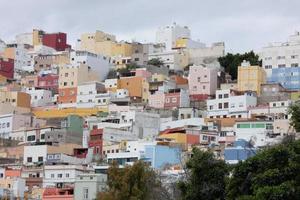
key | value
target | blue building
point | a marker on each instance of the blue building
(288, 77)
(160, 155)
(240, 151)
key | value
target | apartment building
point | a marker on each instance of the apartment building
(230, 103)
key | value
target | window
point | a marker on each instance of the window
(268, 67)
(85, 193)
(226, 105)
(282, 103)
(220, 96)
(204, 137)
(40, 159)
(52, 175)
(66, 74)
(199, 79)
(294, 65)
(220, 105)
(243, 126)
(203, 87)
(7, 124)
(59, 175)
(42, 136)
(65, 83)
(258, 126)
(67, 175)
(281, 66)
(226, 96)
(29, 159)
(294, 56)
(211, 107)
(31, 138)
(174, 100)
(280, 57)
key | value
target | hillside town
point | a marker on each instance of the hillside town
(67, 112)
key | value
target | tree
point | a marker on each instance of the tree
(294, 111)
(231, 62)
(137, 182)
(156, 62)
(206, 177)
(271, 174)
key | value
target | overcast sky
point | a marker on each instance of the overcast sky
(242, 24)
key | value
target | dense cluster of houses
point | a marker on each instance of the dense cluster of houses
(67, 112)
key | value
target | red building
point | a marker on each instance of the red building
(7, 68)
(58, 41)
(48, 82)
(96, 141)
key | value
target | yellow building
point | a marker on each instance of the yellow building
(37, 36)
(250, 77)
(158, 77)
(105, 44)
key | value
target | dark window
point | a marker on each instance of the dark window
(40, 158)
(29, 159)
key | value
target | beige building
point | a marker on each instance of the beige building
(105, 44)
(42, 62)
(15, 98)
(250, 77)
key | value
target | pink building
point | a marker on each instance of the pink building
(157, 100)
(176, 98)
(142, 72)
(203, 80)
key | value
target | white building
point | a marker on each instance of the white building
(174, 60)
(169, 34)
(281, 54)
(39, 97)
(35, 154)
(258, 133)
(88, 94)
(99, 64)
(229, 103)
(199, 56)
(22, 58)
(24, 38)
(87, 186)
(58, 175)
(12, 122)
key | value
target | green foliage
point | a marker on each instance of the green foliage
(231, 62)
(206, 177)
(156, 62)
(137, 182)
(294, 110)
(271, 174)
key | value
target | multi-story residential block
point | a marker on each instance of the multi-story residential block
(138, 87)
(48, 82)
(59, 175)
(176, 98)
(202, 80)
(230, 103)
(7, 68)
(57, 41)
(198, 56)
(111, 84)
(29, 81)
(250, 78)
(258, 133)
(87, 93)
(12, 122)
(39, 97)
(88, 186)
(50, 61)
(96, 142)
(288, 77)
(273, 92)
(281, 55)
(20, 54)
(174, 60)
(14, 186)
(69, 78)
(15, 98)
(168, 35)
(99, 64)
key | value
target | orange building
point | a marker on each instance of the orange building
(137, 87)
(15, 98)
(179, 80)
(67, 95)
